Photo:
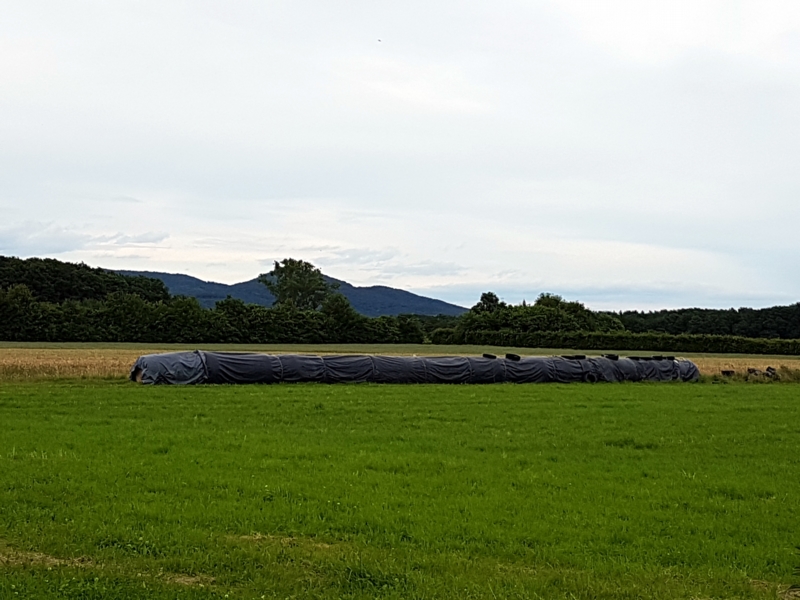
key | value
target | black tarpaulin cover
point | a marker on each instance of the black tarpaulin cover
(231, 367)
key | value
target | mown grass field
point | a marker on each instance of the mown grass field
(26, 361)
(109, 489)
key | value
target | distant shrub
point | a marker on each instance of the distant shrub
(596, 340)
(442, 336)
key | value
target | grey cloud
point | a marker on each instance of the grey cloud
(381, 264)
(41, 239)
(358, 256)
(116, 256)
(428, 267)
(125, 199)
(319, 248)
(142, 239)
(388, 264)
(44, 239)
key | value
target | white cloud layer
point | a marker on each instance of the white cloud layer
(624, 153)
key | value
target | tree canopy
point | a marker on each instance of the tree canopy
(298, 284)
(549, 313)
(773, 322)
(51, 280)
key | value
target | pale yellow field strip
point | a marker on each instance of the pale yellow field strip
(19, 364)
(716, 364)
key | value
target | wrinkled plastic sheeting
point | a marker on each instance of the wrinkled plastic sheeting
(173, 367)
(529, 370)
(242, 368)
(297, 368)
(229, 367)
(399, 369)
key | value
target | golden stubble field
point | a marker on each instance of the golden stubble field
(20, 363)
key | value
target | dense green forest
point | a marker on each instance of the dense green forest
(775, 322)
(548, 313)
(51, 280)
(49, 300)
(552, 313)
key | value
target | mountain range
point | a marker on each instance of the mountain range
(372, 301)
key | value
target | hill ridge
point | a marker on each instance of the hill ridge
(371, 301)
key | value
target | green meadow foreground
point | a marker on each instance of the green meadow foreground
(113, 490)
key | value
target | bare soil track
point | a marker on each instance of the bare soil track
(10, 557)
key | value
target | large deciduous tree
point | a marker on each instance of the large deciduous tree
(489, 303)
(297, 283)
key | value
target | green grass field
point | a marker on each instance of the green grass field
(113, 490)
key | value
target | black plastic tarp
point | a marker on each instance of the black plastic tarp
(230, 367)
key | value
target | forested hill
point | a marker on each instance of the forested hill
(371, 301)
(775, 322)
(51, 280)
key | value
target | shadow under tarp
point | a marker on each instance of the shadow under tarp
(231, 367)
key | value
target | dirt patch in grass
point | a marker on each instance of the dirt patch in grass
(18, 558)
(190, 580)
(784, 592)
(10, 557)
(289, 541)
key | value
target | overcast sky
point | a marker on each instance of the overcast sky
(628, 154)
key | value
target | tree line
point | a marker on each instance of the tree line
(129, 318)
(619, 340)
(781, 322)
(81, 304)
(552, 322)
(549, 312)
(48, 300)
